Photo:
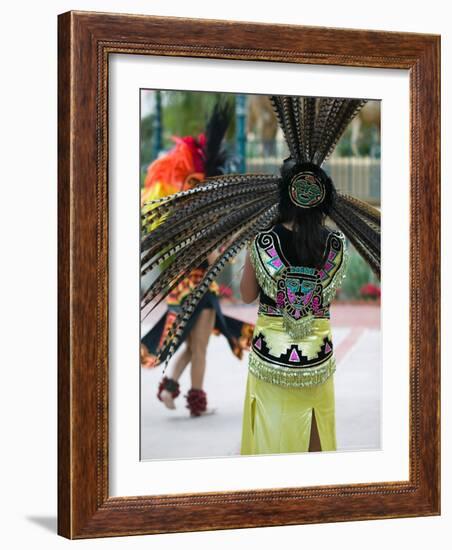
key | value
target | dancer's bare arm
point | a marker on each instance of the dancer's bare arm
(249, 289)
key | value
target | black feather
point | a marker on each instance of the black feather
(214, 151)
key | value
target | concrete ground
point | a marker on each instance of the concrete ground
(167, 434)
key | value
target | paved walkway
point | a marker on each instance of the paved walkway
(173, 434)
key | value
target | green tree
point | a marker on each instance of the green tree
(186, 113)
(358, 274)
(183, 114)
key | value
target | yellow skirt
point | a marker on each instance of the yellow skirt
(277, 419)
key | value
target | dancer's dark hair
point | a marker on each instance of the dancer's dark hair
(309, 233)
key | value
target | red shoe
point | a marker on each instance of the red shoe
(196, 402)
(168, 391)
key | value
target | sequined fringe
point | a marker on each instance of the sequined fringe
(339, 276)
(298, 328)
(297, 377)
(267, 284)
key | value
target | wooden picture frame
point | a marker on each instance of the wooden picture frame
(85, 42)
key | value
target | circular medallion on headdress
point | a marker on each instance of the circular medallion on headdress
(307, 189)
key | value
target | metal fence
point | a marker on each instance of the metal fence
(358, 176)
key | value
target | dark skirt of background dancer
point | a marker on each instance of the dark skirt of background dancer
(238, 333)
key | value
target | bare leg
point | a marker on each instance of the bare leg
(199, 338)
(314, 442)
(167, 397)
(182, 361)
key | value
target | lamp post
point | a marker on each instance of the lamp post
(240, 131)
(157, 126)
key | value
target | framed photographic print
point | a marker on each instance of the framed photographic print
(248, 275)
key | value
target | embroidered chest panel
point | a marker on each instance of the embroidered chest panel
(300, 294)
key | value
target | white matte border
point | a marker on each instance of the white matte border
(128, 476)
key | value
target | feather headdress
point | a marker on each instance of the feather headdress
(229, 210)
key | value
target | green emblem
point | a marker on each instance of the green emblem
(306, 190)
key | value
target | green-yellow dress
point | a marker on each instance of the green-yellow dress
(291, 363)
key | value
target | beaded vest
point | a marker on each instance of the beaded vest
(292, 342)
